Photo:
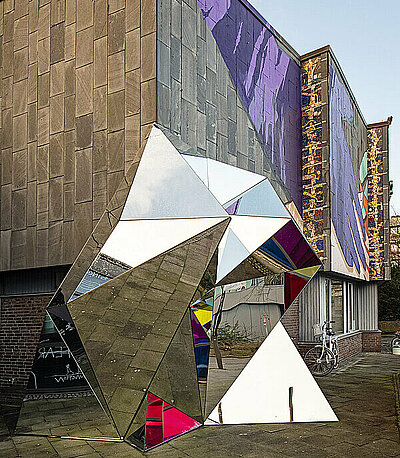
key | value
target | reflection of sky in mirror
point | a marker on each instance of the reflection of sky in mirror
(134, 242)
(166, 187)
(231, 253)
(253, 231)
(224, 181)
(261, 200)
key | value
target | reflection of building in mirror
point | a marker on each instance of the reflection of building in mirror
(252, 310)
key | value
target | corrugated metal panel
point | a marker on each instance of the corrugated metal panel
(367, 294)
(31, 281)
(309, 305)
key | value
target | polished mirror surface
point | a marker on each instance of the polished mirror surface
(134, 242)
(224, 181)
(244, 236)
(231, 252)
(127, 324)
(59, 400)
(165, 186)
(176, 379)
(103, 269)
(261, 200)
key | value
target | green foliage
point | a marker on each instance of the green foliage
(230, 335)
(389, 297)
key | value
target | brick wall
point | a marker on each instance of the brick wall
(21, 322)
(290, 321)
(350, 345)
(372, 341)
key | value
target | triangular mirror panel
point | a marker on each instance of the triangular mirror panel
(224, 181)
(137, 429)
(231, 252)
(133, 242)
(127, 324)
(296, 281)
(249, 232)
(65, 326)
(261, 200)
(252, 231)
(174, 191)
(274, 387)
(103, 269)
(294, 285)
(165, 422)
(59, 401)
(294, 245)
(176, 379)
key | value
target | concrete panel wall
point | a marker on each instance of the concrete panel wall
(78, 95)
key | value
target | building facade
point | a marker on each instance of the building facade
(82, 87)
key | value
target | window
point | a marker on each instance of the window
(339, 304)
(351, 308)
(337, 309)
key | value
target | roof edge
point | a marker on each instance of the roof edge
(381, 123)
(286, 45)
(330, 52)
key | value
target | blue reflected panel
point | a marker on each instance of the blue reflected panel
(103, 269)
(261, 200)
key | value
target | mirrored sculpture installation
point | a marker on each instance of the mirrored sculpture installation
(134, 313)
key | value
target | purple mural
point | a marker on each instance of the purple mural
(345, 204)
(267, 80)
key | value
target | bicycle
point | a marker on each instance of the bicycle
(323, 358)
(395, 340)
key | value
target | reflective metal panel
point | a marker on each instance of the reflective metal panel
(231, 252)
(134, 242)
(59, 401)
(127, 324)
(260, 394)
(175, 380)
(245, 235)
(165, 186)
(224, 181)
(261, 200)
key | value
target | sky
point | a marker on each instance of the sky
(365, 37)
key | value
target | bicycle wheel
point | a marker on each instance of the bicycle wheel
(319, 361)
(395, 341)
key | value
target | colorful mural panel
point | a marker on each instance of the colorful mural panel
(349, 239)
(267, 80)
(376, 211)
(313, 183)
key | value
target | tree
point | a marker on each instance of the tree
(389, 297)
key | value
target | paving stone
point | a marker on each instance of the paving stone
(367, 425)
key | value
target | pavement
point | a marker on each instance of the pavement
(363, 391)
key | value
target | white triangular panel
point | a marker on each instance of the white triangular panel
(253, 231)
(224, 181)
(166, 187)
(134, 242)
(260, 394)
(231, 253)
